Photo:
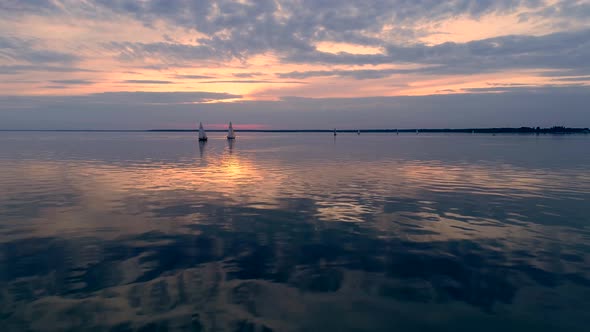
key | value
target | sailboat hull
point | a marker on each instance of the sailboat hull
(202, 139)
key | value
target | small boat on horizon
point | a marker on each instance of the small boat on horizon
(358, 132)
(335, 132)
(202, 133)
(230, 132)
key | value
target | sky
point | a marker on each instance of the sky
(299, 64)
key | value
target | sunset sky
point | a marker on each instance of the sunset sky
(121, 64)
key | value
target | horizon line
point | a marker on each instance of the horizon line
(373, 130)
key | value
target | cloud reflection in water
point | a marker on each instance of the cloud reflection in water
(283, 236)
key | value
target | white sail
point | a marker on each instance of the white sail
(230, 132)
(202, 134)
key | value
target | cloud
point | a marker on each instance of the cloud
(148, 82)
(585, 78)
(126, 98)
(18, 69)
(139, 98)
(73, 82)
(130, 51)
(558, 51)
(227, 30)
(39, 7)
(247, 75)
(579, 71)
(247, 42)
(56, 87)
(507, 84)
(254, 82)
(517, 106)
(523, 88)
(349, 21)
(571, 10)
(359, 74)
(28, 50)
(241, 30)
(195, 77)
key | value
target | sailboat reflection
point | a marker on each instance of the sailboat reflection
(202, 150)
(230, 145)
(202, 145)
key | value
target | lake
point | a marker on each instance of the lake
(152, 231)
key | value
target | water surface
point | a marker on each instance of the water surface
(294, 232)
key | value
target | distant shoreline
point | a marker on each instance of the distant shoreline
(520, 130)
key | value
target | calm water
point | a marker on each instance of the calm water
(294, 232)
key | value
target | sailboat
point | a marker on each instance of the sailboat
(202, 134)
(230, 132)
(358, 132)
(335, 132)
(397, 131)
